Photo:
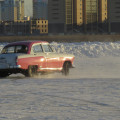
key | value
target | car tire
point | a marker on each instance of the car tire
(4, 74)
(31, 72)
(66, 67)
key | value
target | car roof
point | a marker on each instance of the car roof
(28, 43)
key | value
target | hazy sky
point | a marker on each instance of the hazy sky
(28, 7)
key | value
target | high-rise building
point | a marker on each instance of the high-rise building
(103, 16)
(40, 9)
(12, 10)
(78, 12)
(91, 14)
(19, 7)
(1, 4)
(69, 14)
(56, 16)
(103, 10)
(60, 15)
(114, 16)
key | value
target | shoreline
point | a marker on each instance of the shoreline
(63, 38)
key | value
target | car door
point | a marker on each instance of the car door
(52, 59)
(39, 56)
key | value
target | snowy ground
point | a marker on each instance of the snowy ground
(90, 92)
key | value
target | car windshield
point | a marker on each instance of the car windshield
(47, 48)
(15, 49)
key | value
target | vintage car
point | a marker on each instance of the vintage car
(32, 57)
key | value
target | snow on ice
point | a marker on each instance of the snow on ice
(89, 49)
(90, 92)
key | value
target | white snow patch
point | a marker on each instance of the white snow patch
(89, 49)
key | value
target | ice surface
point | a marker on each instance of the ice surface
(59, 99)
(90, 92)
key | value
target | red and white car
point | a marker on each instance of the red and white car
(31, 57)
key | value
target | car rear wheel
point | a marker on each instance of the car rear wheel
(4, 74)
(31, 72)
(66, 67)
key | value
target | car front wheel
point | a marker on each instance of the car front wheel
(66, 67)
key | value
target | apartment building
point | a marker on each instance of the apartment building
(19, 9)
(24, 27)
(18, 27)
(60, 16)
(56, 16)
(103, 10)
(1, 27)
(114, 16)
(40, 9)
(91, 15)
(68, 15)
(1, 4)
(12, 10)
(78, 12)
(39, 26)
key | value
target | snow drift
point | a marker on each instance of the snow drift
(90, 49)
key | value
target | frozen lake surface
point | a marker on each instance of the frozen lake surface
(90, 92)
(59, 99)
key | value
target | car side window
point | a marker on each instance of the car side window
(37, 49)
(21, 49)
(47, 48)
(15, 49)
(8, 50)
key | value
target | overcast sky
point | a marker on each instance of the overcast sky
(28, 7)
